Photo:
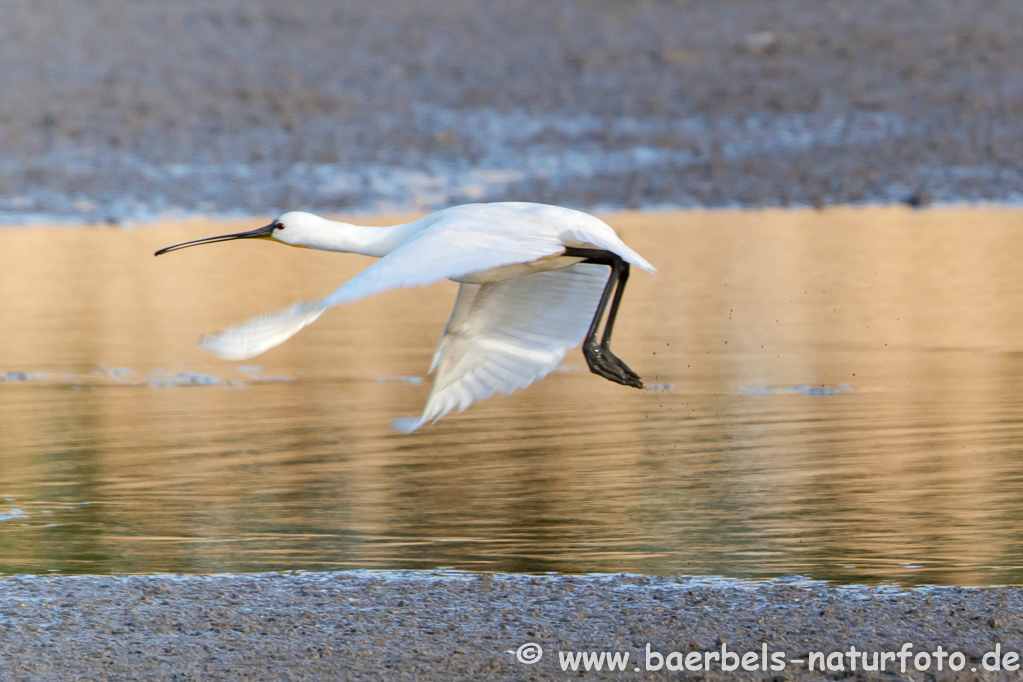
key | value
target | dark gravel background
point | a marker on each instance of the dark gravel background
(126, 109)
(423, 626)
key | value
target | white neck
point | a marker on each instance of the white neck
(330, 235)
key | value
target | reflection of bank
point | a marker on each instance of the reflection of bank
(909, 309)
(912, 475)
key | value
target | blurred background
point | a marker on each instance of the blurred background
(117, 110)
(833, 355)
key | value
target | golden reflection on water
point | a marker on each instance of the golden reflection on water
(835, 393)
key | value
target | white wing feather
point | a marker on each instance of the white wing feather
(261, 333)
(445, 250)
(505, 335)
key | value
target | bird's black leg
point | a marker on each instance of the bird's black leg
(605, 340)
(599, 356)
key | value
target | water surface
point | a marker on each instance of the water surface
(834, 393)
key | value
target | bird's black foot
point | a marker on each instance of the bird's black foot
(606, 364)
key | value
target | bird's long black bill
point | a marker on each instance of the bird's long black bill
(260, 233)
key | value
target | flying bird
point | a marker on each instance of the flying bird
(535, 280)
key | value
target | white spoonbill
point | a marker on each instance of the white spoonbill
(535, 280)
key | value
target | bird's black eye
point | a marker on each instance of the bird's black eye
(278, 226)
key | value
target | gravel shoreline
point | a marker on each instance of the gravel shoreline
(451, 625)
(128, 110)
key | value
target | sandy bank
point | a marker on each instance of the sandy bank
(126, 110)
(432, 625)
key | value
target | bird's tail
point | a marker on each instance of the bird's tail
(261, 333)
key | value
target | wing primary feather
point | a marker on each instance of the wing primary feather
(505, 335)
(261, 333)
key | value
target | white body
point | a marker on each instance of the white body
(520, 307)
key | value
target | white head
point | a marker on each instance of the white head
(297, 228)
(294, 228)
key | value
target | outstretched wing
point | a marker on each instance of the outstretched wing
(447, 249)
(505, 335)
